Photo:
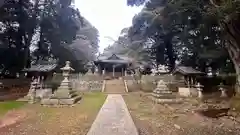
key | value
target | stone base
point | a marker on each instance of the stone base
(52, 101)
(166, 101)
(163, 96)
(187, 92)
(73, 98)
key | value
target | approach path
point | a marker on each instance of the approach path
(113, 118)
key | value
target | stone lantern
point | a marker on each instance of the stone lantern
(89, 67)
(64, 95)
(162, 94)
(65, 86)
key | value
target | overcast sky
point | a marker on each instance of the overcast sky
(108, 16)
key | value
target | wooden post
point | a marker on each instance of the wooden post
(113, 70)
(191, 81)
(188, 83)
(122, 72)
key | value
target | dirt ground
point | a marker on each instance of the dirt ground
(175, 119)
(58, 121)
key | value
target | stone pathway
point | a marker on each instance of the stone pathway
(113, 118)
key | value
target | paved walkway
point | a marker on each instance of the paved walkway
(113, 118)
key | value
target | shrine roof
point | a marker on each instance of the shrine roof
(113, 58)
(41, 67)
(187, 71)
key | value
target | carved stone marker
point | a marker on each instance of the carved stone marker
(96, 72)
(223, 91)
(162, 94)
(32, 91)
(89, 72)
(103, 72)
(64, 95)
(200, 89)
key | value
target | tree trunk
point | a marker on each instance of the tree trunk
(233, 46)
(31, 31)
(170, 51)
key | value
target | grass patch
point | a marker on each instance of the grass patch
(92, 101)
(75, 120)
(10, 105)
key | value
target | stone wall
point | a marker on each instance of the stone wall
(12, 89)
(148, 82)
(132, 83)
(87, 82)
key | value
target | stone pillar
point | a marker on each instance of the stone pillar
(64, 90)
(199, 89)
(153, 72)
(17, 75)
(39, 81)
(42, 82)
(32, 91)
(125, 72)
(103, 72)
(34, 82)
(89, 72)
(223, 90)
(96, 71)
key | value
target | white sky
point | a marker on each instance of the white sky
(108, 16)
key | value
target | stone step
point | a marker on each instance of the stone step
(163, 92)
(73, 95)
(115, 86)
(72, 92)
(167, 101)
(162, 96)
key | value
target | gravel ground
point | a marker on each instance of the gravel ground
(58, 121)
(180, 119)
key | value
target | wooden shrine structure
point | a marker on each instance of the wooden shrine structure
(112, 65)
(187, 74)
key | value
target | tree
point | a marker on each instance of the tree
(124, 46)
(49, 26)
(199, 27)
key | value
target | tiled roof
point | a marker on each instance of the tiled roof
(114, 58)
(41, 68)
(112, 61)
(186, 70)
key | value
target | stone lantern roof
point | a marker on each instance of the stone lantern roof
(67, 67)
